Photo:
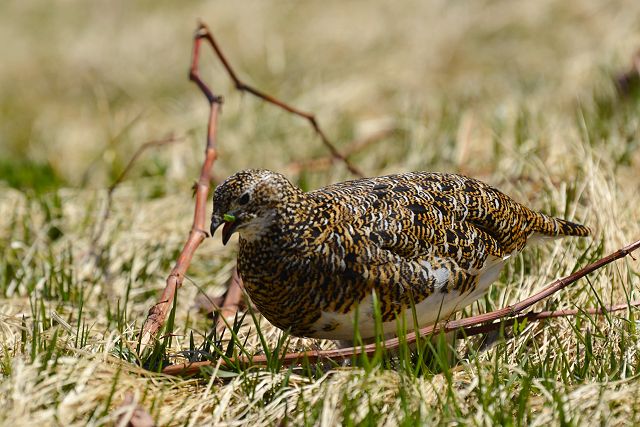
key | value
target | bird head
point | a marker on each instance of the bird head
(248, 202)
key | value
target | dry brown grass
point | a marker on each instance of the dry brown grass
(516, 93)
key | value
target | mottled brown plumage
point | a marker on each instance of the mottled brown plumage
(308, 260)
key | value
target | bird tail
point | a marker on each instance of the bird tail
(556, 227)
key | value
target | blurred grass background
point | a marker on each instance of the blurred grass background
(518, 93)
(83, 84)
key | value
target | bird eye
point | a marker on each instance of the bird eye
(244, 199)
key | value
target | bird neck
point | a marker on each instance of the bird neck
(275, 229)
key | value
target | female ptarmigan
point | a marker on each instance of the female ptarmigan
(310, 260)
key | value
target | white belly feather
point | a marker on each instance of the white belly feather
(436, 307)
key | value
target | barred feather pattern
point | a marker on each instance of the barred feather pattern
(309, 259)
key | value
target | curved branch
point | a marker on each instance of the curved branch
(158, 313)
(322, 163)
(203, 32)
(470, 326)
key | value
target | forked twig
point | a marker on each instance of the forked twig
(243, 87)
(543, 315)
(469, 326)
(158, 312)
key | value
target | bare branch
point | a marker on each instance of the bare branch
(203, 32)
(543, 315)
(467, 325)
(106, 211)
(322, 163)
(232, 300)
(158, 313)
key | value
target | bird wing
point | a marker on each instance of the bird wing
(430, 215)
(418, 232)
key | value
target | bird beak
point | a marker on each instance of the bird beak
(227, 231)
(230, 225)
(215, 223)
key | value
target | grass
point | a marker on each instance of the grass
(519, 94)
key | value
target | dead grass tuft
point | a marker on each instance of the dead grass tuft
(519, 94)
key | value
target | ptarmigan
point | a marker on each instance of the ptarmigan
(309, 261)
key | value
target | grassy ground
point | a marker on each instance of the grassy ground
(516, 93)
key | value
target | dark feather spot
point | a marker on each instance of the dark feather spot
(446, 187)
(489, 231)
(442, 210)
(383, 238)
(401, 189)
(350, 258)
(441, 199)
(350, 275)
(417, 209)
(380, 187)
(380, 194)
(469, 187)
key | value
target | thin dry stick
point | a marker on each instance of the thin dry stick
(232, 299)
(322, 163)
(243, 87)
(234, 292)
(464, 324)
(107, 207)
(198, 233)
(543, 315)
(194, 368)
(158, 312)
